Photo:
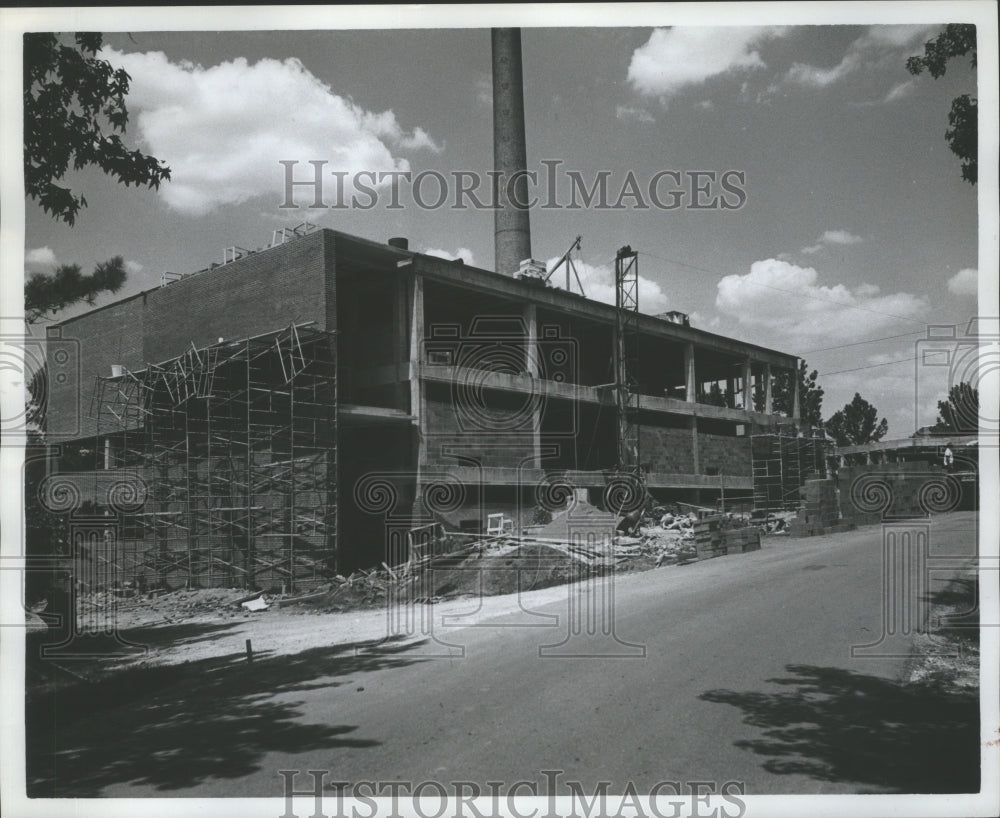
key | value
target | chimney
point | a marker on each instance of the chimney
(512, 230)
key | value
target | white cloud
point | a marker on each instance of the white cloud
(703, 321)
(842, 237)
(40, 257)
(638, 114)
(964, 282)
(839, 237)
(705, 105)
(816, 77)
(224, 129)
(900, 90)
(133, 267)
(863, 51)
(893, 36)
(463, 253)
(780, 299)
(599, 285)
(419, 139)
(674, 58)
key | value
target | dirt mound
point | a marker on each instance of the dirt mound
(524, 568)
(579, 520)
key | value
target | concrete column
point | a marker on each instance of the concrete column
(730, 391)
(768, 402)
(530, 315)
(512, 230)
(401, 338)
(690, 381)
(748, 385)
(417, 353)
(693, 421)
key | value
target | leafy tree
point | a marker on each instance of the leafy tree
(956, 40)
(857, 423)
(45, 293)
(74, 104)
(713, 397)
(959, 414)
(810, 394)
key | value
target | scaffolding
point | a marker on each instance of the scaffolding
(781, 462)
(627, 358)
(236, 442)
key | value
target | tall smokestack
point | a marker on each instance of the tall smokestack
(512, 230)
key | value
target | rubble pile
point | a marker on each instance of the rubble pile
(577, 542)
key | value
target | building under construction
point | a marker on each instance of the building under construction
(299, 409)
(281, 415)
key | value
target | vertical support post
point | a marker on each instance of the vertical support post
(210, 471)
(251, 537)
(693, 423)
(190, 515)
(292, 487)
(627, 358)
(747, 385)
(417, 393)
(796, 397)
(417, 351)
(690, 382)
(400, 339)
(531, 366)
(768, 394)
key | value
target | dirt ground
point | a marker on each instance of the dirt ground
(147, 631)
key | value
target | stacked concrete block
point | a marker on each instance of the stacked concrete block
(873, 493)
(742, 540)
(708, 537)
(819, 512)
(712, 540)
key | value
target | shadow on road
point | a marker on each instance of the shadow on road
(203, 720)
(836, 725)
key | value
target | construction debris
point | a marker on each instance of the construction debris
(577, 543)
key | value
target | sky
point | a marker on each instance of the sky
(847, 228)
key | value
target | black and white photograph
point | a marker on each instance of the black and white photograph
(504, 411)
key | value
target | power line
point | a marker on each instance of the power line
(870, 366)
(869, 341)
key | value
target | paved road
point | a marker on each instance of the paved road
(746, 675)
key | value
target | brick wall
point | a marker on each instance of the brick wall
(94, 342)
(666, 450)
(257, 294)
(728, 454)
(499, 444)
